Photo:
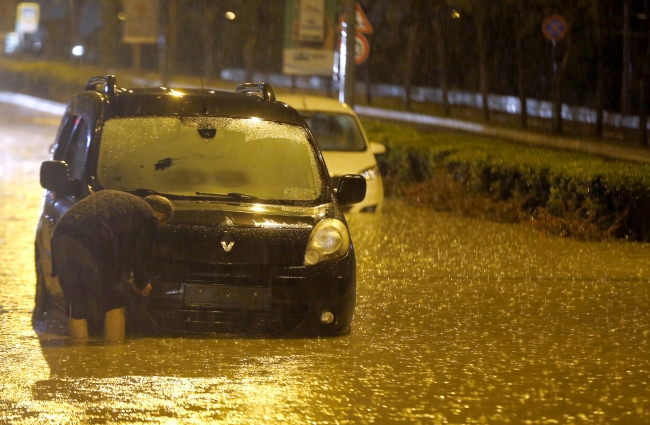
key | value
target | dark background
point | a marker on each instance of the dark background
(259, 25)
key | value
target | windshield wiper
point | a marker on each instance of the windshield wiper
(141, 192)
(231, 195)
(145, 192)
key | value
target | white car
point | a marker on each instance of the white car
(344, 144)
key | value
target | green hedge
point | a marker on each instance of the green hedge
(50, 80)
(607, 192)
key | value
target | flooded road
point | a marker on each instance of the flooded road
(458, 321)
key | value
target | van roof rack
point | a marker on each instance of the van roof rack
(108, 81)
(262, 89)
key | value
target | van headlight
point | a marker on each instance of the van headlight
(371, 173)
(329, 240)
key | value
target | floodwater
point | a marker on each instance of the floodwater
(458, 321)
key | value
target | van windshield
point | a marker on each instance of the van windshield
(190, 156)
(335, 132)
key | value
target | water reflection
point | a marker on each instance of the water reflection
(468, 334)
(457, 321)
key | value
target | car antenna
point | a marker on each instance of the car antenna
(205, 106)
(206, 132)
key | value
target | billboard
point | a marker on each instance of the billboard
(309, 37)
(27, 17)
(141, 24)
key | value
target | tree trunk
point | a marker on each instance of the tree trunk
(209, 11)
(411, 52)
(170, 41)
(599, 80)
(442, 58)
(109, 33)
(642, 136)
(73, 26)
(557, 88)
(625, 97)
(643, 98)
(521, 70)
(482, 61)
(366, 78)
(250, 47)
(249, 56)
(521, 83)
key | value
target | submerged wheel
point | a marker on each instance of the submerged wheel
(41, 301)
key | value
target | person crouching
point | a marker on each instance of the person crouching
(98, 245)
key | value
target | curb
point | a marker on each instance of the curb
(608, 150)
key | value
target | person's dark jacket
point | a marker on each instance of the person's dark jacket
(118, 228)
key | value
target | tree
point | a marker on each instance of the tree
(411, 51)
(210, 11)
(109, 36)
(576, 13)
(627, 59)
(526, 19)
(644, 85)
(479, 10)
(439, 10)
(598, 10)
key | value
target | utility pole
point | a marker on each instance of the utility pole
(346, 91)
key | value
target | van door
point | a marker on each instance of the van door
(72, 147)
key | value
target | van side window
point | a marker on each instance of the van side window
(63, 140)
(76, 153)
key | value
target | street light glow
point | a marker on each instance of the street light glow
(455, 14)
(230, 15)
(78, 50)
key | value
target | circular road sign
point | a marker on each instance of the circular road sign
(555, 27)
(361, 49)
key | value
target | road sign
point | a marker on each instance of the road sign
(361, 49)
(555, 27)
(311, 21)
(27, 17)
(309, 37)
(362, 24)
(141, 25)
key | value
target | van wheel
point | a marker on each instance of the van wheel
(41, 301)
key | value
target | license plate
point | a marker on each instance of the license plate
(222, 296)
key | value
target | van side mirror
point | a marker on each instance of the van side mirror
(377, 148)
(55, 176)
(351, 190)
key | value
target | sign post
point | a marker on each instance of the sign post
(356, 28)
(554, 29)
(140, 26)
(309, 37)
(362, 46)
(361, 49)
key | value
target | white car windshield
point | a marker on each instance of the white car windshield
(335, 132)
(199, 156)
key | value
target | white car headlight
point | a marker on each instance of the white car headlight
(329, 240)
(371, 173)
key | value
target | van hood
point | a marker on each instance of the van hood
(340, 163)
(206, 233)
